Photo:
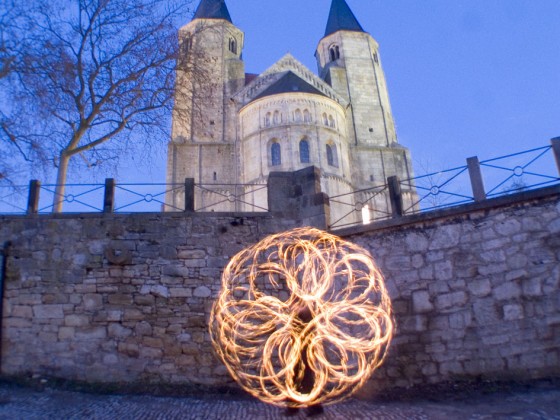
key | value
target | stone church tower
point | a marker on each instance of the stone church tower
(231, 129)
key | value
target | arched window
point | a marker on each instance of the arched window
(325, 119)
(331, 121)
(233, 45)
(297, 115)
(267, 119)
(275, 154)
(306, 116)
(304, 151)
(276, 117)
(184, 49)
(332, 158)
(334, 52)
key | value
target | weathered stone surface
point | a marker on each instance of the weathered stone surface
(421, 302)
(481, 307)
(202, 292)
(48, 311)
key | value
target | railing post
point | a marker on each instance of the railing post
(109, 197)
(33, 197)
(477, 183)
(395, 194)
(556, 150)
(189, 194)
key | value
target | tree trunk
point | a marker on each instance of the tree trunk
(60, 188)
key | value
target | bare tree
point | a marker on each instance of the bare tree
(91, 71)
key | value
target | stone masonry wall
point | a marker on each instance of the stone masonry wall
(476, 295)
(118, 298)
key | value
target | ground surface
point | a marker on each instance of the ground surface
(530, 401)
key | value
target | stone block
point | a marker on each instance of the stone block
(485, 312)
(175, 271)
(421, 302)
(417, 242)
(202, 292)
(480, 288)
(195, 263)
(507, 291)
(22, 312)
(195, 254)
(451, 300)
(451, 368)
(513, 312)
(119, 299)
(66, 333)
(508, 227)
(93, 301)
(116, 330)
(143, 328)
(445, 237)
(91, 333)
(132, 315)
(130, 349)
(180, 292)
(398, 262)
(153, 342)
(144, 300)
(150, 353)
(443, 271)
(532, 287)
(460, 320)
(48, 311)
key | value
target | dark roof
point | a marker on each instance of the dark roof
(341, 18)
(212, 9)
(290, 83)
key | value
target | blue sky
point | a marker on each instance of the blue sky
(466, 78)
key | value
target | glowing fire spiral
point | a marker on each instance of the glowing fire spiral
(303, 318)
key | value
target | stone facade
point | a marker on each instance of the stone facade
(117, 298)
(232, 128)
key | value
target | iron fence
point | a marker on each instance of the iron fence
(436, 190)
(503, 175)
(518, 171)
(359, 206)
(231, 197)
(132, 198)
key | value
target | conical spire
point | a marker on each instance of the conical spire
(341, 18)
(212, 9)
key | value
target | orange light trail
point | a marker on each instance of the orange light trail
(303, 318)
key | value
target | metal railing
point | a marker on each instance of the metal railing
(513, 173)
(231, 197)
(439, 189)
(353, 205)
(504, 175)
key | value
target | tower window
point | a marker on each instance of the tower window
(325, 120)
(277, 117)
(184, 49)
(334, 52)
(376, 58)
(304, 151)
(306, 116)
(276, 154)
(332, 158)
(331, 121)
(297, 115)
(233, 45)
(267, 119)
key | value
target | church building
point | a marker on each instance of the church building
(232, 129)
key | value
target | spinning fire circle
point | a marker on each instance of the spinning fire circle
(303, 318)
